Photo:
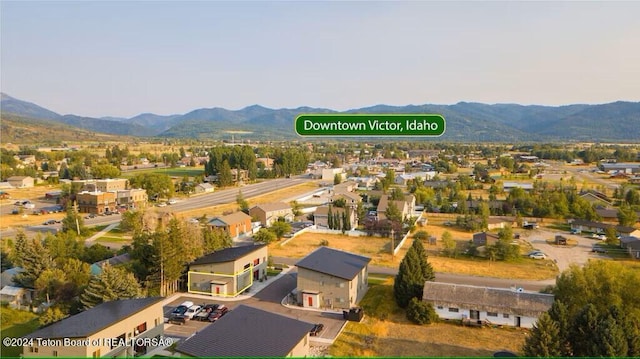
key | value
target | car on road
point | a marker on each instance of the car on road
(218, 313)
(315, 331)
(538, 255)
(92, 215)
(601, 237)
(598, 249)
(161, 204)
(51, 222)
(172, 201)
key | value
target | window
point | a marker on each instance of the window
(30, 349)
(141, 328)
(155, 322)
(246, 266)
(120, 339)
(492, 314)
(440, 307)
(505, 315)
(35, 350)
(453, 310)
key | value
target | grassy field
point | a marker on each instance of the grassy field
(172, 172)
(15, 324)
(385, 331)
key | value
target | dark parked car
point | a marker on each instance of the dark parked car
(206, 311)
(598, 249)
(51, 221)
(315, 331)
(178, 319)
(180, 310)
(218, 313)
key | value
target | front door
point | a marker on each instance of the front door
(310, 301)
(518, 322)
(474, 314)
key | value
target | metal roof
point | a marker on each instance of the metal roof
(334, 262)
(227, 254)
(95, 319)
(497, 300)
(247, 332)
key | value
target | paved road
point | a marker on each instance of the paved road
(229, 195)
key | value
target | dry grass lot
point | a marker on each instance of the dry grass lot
(379, 250)
(385, 331)
(27, 219)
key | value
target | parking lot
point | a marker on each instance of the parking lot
(268, 299)
(564, 256)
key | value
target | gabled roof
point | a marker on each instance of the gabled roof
(247, 332)
(334, 262)
(270, 207)
(498, 300)
(95, 319)
(324, 210)
(227, 254)
(232, 218)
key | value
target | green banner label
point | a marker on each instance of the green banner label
(370, 125)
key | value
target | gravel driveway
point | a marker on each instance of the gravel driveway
(564, 255)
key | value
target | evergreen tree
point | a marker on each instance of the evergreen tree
(544, 340)
(112, 284)
(560, 316)
(609, 339)
(420, 312)
(34, 259)
(409, 281)
(225, 177)
(215, 239)
(425, 267)
(330, 218)
(582, 330)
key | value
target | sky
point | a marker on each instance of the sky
(123, 58)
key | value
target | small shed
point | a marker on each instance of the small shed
(561, 240)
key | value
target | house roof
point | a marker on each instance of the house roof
(629, 239)
(247, 332)
(227, 254)
(334, 262)
(232, 218)
(270, 207)
(95, 319)
(11, 290)
(620, 229)
(348, 195)
(498, 300)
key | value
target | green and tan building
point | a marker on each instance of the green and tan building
(228, 272)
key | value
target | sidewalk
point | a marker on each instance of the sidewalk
(101, 233)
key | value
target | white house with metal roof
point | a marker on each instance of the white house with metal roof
(331, 278)
(478, 305)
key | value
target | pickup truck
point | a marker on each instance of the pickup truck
(206, 311)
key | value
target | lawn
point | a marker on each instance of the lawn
(172, 172)
(15, 324)
(385, 331)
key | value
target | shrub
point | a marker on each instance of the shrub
(420, 312)
(324, 243)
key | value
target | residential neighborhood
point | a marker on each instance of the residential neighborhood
(319, 179)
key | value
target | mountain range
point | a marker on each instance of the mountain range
(468, 122)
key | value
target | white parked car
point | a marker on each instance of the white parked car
(538, 255)
(601, 237)
(172, 201)
(193, 310)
